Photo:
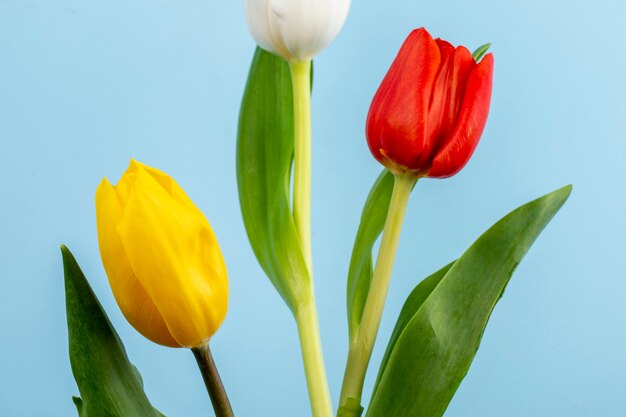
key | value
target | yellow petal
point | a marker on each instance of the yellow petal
(165, 181)
(159, 176)
(175, 256)
(123, 187)
(130, 295)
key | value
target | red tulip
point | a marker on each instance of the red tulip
(430, 110)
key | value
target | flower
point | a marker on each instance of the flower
(162, 259)
(431, 108)
(295, 29)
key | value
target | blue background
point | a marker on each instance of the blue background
(86, 85)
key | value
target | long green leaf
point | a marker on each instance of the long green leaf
(441, 325)
(410, 307)
(109, 385)
(371, 226)
(264, 158)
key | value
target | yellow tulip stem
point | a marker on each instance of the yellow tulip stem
(301, 82)
(213, 382)
(313, 358)
(362, 345)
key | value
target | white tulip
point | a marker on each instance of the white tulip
(295, 29)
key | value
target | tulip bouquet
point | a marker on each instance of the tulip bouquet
(169, 277)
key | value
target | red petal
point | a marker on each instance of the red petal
(471, 122)
(396, 122)
(445, 47)
(446, 100)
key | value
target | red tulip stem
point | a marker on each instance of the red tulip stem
(361, 346)
(301, 81)
(213, 382)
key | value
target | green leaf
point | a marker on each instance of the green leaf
(411, 306)
(442, 322)
(371, 226)
(264, 158)
(480, 51)
(109, 385)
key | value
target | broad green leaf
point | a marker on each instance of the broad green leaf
(442, 322)
(264, 158)
(371, 226)
(410, 307)
(109, 385)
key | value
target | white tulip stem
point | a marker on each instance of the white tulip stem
(361, 348)
(301, 79)
(306, 313)
(313, 358)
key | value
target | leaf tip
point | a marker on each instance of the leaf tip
(564, 192)
(568, 188)
(66, 253)
(69, 261)
(481, 51)
(71, 271)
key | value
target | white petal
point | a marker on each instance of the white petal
(295, 29)
(307, 26)
(257, 17)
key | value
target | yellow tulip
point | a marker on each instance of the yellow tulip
(163, 261)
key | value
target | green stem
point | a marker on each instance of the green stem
(361, 347)
(306, 313)
(301, 80)
(213, 382)
(312, 356)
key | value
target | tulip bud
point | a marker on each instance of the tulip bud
(431, 108)
(162, 259)
(295, 29)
